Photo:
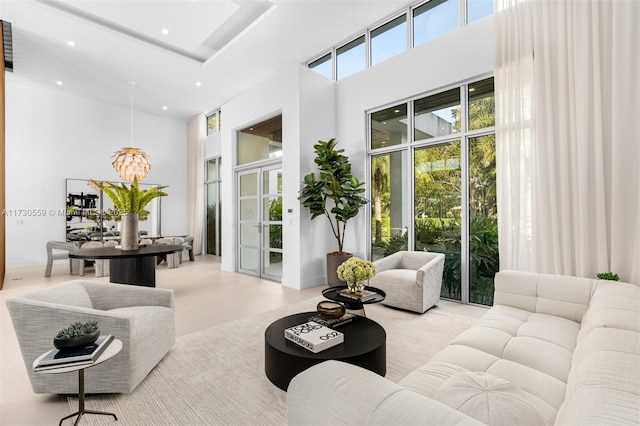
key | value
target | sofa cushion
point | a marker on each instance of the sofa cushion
(602, 387)
(533, 351)
(490, 399)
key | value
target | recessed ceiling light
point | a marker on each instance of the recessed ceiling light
(59, 83)
(165, 108)
(165, 31)
(472, 89)
(71, 43)
(198, 84)
(396, 111)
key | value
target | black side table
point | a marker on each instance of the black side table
(331, 293)
(364, 345)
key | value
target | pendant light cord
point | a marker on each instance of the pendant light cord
(133, 84)
(132, 115)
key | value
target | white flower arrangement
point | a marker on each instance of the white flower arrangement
(355, 270)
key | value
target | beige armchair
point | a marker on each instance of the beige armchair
(59, 250)
(142, 318)
(411, 279)
(173, 260)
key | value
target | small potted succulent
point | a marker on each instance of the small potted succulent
(355, 271)
(77, 335)
(608, 276)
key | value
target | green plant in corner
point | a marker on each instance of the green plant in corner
(131, 199)
(77, 329)
(333, 183)
(608, 276)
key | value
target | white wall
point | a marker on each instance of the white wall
(317, 122)
(51, 136)
(454, 58)
(314, 108)
(306, 101)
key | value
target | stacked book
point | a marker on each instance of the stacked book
(333, 322)
(314, 336)
(364, 296)
(82, 356)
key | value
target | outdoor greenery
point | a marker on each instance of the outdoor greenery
(334, 192)
(437, 206)
(275, 231)
(77, 329)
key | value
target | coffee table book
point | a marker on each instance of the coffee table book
(361, 297)
(84, 355)
(313, 336)
(333, 322)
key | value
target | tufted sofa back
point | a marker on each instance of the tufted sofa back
(558, 295)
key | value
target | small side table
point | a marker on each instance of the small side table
(112, 350)
(331, 293)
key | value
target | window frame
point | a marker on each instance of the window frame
(408, 150)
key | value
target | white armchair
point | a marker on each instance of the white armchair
(411, 279)
(142, 318)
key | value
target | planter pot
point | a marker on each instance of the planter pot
(129, 231)
(76, 342)
(334, 260)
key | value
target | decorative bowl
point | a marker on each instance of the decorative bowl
(76, 342)
(329, 310)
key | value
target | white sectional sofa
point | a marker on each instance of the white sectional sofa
(552, 350)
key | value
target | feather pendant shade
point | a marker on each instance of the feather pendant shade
(130, 162)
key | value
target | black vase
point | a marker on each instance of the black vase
(76, 342)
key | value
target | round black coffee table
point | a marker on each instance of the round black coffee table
(364, 345)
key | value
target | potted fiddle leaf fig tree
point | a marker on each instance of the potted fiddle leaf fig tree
(130, 202)
(335, 194)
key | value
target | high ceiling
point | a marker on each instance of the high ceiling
(189, 56)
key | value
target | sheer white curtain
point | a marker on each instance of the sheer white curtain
(567, 116)
(195, 180)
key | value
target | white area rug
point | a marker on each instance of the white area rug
(216, 376)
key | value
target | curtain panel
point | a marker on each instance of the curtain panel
(567, 123)
(195, 179)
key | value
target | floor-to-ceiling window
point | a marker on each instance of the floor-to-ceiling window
(446, 200)
(214, 207)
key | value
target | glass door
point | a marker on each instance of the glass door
(260, 222)
(438, 201)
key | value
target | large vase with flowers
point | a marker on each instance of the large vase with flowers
(356, 272)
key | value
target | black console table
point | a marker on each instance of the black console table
(137, 267)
